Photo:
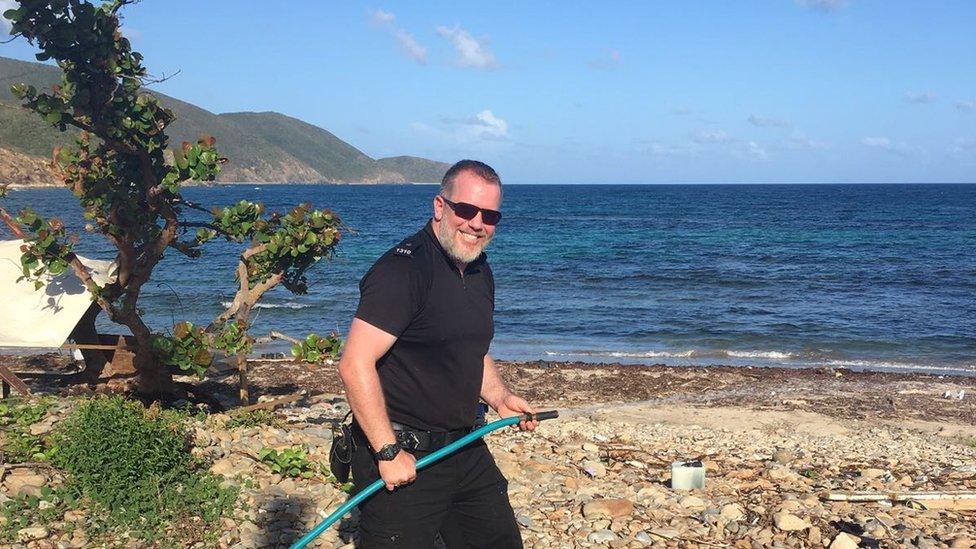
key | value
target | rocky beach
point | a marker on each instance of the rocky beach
(776, 444)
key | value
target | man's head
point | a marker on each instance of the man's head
(467, 182)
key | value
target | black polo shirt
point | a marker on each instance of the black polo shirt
(444, 322)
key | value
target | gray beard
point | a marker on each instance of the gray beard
(445, 235)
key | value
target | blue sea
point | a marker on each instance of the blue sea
(879, 277)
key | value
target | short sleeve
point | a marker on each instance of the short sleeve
(390, 294)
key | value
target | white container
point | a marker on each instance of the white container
(687, 475)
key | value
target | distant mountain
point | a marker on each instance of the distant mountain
(263, 147)
(415, 169)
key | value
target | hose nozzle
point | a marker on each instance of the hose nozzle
(539, 416)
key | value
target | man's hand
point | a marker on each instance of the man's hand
(513, 405)
(399, 471)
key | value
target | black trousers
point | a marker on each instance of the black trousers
(464, 497)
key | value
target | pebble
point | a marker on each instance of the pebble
(790, 523)
(601, 536)
(845, 541)
(565, 496)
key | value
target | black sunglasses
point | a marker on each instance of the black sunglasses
(468, 211)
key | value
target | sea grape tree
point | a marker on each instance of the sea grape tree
(129, 182)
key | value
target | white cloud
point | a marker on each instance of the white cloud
(710, 137)
(471, 52)
(964, 146)
(381, 17)
(610, 60)
(756, 151)
(4, 22)
(482, 127)
(490, 126)
(665, 150)
(825, 6)
(766, 122)
(411, 47)
(966, 105)
(921, 98)
(799, 141)
(887, 145)
(408, 44)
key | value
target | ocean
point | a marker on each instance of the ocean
(877, 277)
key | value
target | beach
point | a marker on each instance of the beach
(774, 443)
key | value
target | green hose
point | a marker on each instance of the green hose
(421, 463)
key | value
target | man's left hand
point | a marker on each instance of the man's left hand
(514, 405)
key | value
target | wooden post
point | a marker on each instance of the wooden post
(4, 389)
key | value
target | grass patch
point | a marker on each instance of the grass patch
(132, 468)
(16, 417)
(254, 418)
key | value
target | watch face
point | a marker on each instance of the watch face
(388, 452)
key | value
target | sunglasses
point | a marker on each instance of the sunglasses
(468, 211)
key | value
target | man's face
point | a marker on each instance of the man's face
(464, 239)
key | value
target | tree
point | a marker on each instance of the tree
(119, 172)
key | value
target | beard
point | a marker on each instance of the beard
(450, 239)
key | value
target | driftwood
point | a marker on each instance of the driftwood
(268, 405)
(9, 379)
(955, 500)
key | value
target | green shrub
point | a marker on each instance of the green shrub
(25, 511)
(16, 418)
(133, 464)
(255, 418)
(290, 462)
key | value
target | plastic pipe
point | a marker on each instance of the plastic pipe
(421, 463)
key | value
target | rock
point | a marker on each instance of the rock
(44, 426)
(732, 512)
(571, 484)
(868, 475)
(595, 469)
(644, 537)
(845, 541)
(590, 447)
(780, 473)
(665, 533)
(782, 457)
(789, 522)
(601, 536)
(25, 483)
(608, 508)
(692, 502)
(31, 534)
(814, 536)
(962, 542)
(525, 520)
(231, 466)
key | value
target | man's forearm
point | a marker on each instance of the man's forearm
(366, 401)
(493, 388)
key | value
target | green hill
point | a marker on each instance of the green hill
(415, 169)
(261, 147)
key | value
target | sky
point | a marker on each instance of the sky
(776, 91)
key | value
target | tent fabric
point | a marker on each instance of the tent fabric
(44, 317)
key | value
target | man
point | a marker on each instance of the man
(415, 363)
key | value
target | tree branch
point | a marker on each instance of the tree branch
(12, 224)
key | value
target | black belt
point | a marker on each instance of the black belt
(426, 441)
(423, 441)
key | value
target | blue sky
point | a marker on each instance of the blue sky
(614, 92)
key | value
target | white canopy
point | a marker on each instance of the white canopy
(43, 317)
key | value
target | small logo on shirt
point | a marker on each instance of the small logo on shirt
(402, 251)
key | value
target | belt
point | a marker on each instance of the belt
(426, 441)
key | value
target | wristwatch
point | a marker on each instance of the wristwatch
(388, 452)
